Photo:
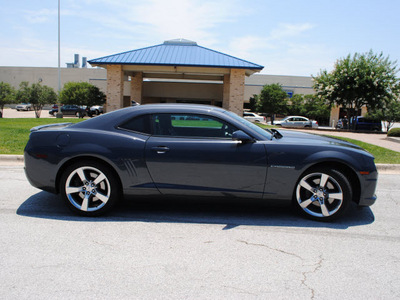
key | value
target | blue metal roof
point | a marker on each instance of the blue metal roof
(176, 53)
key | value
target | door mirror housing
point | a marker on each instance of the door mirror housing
(242, 137)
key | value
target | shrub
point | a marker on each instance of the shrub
(394, 132)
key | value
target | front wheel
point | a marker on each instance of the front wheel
(89, 188)
(323, 194)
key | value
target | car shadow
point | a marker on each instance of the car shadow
(197, 211)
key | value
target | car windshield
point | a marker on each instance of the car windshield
(265, 133)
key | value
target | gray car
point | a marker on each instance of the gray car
(297, 122)
(24, 106)
(172, 150)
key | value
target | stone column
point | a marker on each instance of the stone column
(234, 91)
(335, 116)
(226, 92)
(115, 87)
(136, 87)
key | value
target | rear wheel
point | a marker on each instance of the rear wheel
(89, 188)
(323, 194)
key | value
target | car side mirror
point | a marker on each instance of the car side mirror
(242, 137)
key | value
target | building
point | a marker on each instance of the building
(177, 71)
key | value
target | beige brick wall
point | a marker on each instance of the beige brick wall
(137, 87)
(234, 91)
(115, 87)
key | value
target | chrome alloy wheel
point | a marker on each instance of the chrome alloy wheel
(319, 195)
(88, 189)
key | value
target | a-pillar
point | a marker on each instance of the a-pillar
(233, 97)
(115, 87)
(136, 87)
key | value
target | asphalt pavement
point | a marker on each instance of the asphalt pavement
(193, 250)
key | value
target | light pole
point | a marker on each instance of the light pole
(59, 113)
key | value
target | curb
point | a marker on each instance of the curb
(11, 158)
(4, 158)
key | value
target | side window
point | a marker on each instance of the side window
(139, 124)
(191, 125)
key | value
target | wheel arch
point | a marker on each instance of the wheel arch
(71, 161)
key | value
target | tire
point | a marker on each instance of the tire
(78, 114)
(324, 202)
(89, 188)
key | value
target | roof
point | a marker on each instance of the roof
(178, 52)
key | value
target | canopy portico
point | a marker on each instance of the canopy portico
(176, 71)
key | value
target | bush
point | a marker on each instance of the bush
(394, 132)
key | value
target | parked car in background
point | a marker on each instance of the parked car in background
(74, 110)
(253, 117)
(196, 150)
(363, 123)
(297, 122)
(96, 110)
(24, 106)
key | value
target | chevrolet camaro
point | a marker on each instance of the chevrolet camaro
(192, 151)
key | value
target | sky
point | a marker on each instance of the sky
(287, 37)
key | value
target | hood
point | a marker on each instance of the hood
(302, 138)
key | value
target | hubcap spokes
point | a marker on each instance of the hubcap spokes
(87, 188)
(319, 195)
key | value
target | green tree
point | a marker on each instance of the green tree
(36, 94)
(296, 106)
(390, 114)
(82, 93)
(272, 100)
(362, 79)
(316, 108)
(253, 103)
(7, 96)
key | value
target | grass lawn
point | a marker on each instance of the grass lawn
(382, 155)
(14, 133)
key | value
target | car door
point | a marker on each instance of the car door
(66, 109)
(302, 122)
(196, 155)
(289, 122)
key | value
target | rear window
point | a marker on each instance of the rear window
(139, 124)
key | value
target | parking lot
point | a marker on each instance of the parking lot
(194, 250)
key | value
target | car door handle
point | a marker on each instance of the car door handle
(160, 149)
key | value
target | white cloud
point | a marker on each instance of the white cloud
(160, 19)
(289, 30)
(40, 16)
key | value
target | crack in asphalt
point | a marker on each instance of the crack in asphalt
(271, 248)
(318, 266)
(305, 274)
